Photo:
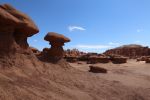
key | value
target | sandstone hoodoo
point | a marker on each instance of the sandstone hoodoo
(15, 28)
(56, 41)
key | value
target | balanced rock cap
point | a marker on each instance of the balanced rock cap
(55, 37)
(26, 25)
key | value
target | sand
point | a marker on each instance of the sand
(133, 74)
(27, 78)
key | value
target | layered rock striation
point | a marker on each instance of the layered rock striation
(131, 51)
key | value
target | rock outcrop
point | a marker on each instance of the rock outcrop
(73, 52)
(131, 51)
(15, 28)
(56, 41)
(98, 59)
(73, 55)
(144, 58)
(71, 59)
(119, 60)
(35, 51)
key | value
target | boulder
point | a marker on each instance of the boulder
(96, 69)
(147, 60)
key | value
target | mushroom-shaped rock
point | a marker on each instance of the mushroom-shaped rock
(56, 41)
(25, 27)
(7, 24)
(15, 27)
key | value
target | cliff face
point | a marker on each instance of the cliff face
(131, 51)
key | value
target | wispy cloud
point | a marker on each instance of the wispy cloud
(114, 43)
(74, 28)
(93, 46)
(137, 41)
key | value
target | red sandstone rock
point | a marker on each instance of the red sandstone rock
(73, 52)
(131, 51)
(7, 19)
(119, 60)
(56, 38)
(15, 27)
(35, 51)
(71, 59)
(56, 41)
(97, 59)
(26, 25)
(96, 69)
(147, 60)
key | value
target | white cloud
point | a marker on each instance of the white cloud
(139, 30)
(73, 28)
(93, 46)
(113, 43)
(137, 41)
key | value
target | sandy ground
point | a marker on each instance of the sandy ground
(132, 73)
(28, 78)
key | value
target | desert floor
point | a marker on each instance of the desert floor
(132, 73)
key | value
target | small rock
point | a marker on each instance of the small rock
(96, 69)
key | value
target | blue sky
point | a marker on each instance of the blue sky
(92, 25)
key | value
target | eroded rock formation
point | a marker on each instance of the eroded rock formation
(131, 51)
(98, 59)
(56, 41)
(15, 28)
